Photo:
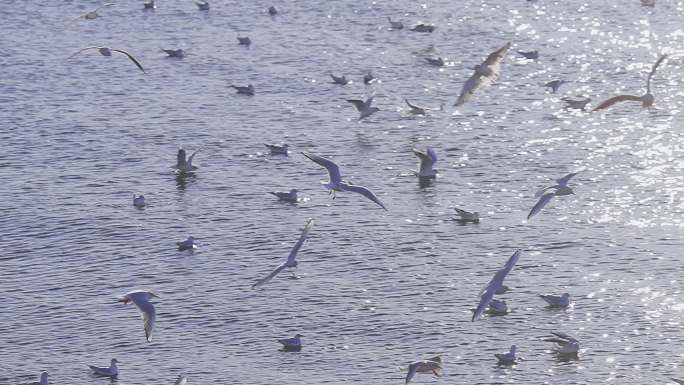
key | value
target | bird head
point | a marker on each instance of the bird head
(114, 361)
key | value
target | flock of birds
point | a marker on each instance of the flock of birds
(484, 75)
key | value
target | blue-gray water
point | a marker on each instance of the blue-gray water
(378, 289)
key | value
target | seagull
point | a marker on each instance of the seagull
(149, 5)
(368, 78)
(467, 216)
(277, 149)
(111, 371)
(138, 201)
(557, 301)
(531, 55)
(545, 196)
(187, 244)
(364, 108)
(439, 62)
(43, 379)
(272, 11)
(576, 104)
(244, 40)
(423, 28)
(342, 80)
(183, 165)
(290, 261)
(485, 74)
(286, 196)
(507, 358)
(92, 14)
(106, 51)
(202, 5)
(555, 85)
(497, 307)
(141, 299)
(177, 53)
(413, 109)
(337, 184)
(648, 3)
(395, 24)
(496, 282)
(431, 365)
(565, 344)
(248, 90)
(646, 100)
(181, 380)
(292, 344)
(428, 158)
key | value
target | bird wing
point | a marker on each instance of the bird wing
(427, 160)
(564, 180)
(300, 241)
(368, 102)
(497, 56)
(463, 214)
(359, 104)
(544, 190)
(488, 292)
(333, 169)
(269, 277)
(431, 153)
(192, 157)
(653, 70)
(84, 49)
(412, 106)
(411, 372)
(616, 99)
(363, 191)
(137, 63)
(543, 201)
(148, 314)
(469, 88)
(563, 336)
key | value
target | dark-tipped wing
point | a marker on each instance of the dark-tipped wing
(269, 277)
(149, 316)
(564, 180)
(192, 156)
(300, 241)
(543, 201)
(333, 169)
(494, 284)
(363, 191)
(616, 99)
(84, 49)
(653, 70)
(563, 336)
(137, 63)
(359, 104)
(411, 372)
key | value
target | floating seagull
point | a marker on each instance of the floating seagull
(494, 284)
(531, 55)
(576, 104)
(646, 100)
(290, 262)
(111, 371)
(395, 24)
(555, 85)
(485, 74)
(566, 345)
(423, 28)
(287, 196)
(439, 62)
(497, 307)
(141, 299)
(138, 201)
(248, 90)
(149, 5)
(431, 365)
(428, 158)
(43, 379)
(181, 380)
(244, 40)
(277, 149)
(106, 51)
(557, 301)
(544, 196)
(92, 14)
(202, 5)
(507, 358)
(342, 80)
(364, 108)
(292, 344)
(177, 53)
(467, 216)
(368, 78)
(337, 184)
(187, 244)
(182, 164)
(272, 11)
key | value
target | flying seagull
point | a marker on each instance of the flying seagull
(496, 282)
(337, 184)
(565, 345)
(183, 164)
(106, 51)
(561, 301)
(111, 371)
(485, 74)
(92, 14)
(559, 189)
(290, 262)
(141, 300)
(431, 365)
(646, 100)
(364, 108)
(428, 158)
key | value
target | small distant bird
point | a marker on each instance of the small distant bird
(183, 165)
(423, 28)
(648, 3)
(292, 344)
(646, 100)
(149, 5)
(415, 110)
(290, 261)
(141, 300)
(277, 149)
(106, 51)
(576, 104)
(507, 358)
(202, 5)
(395, 24)
(244, 90)
(561, 301)
(494, 284)
(497, 307)
(90, 15)
(560, 189)
(342, 80)
(364, 108)
(187, 244)
(272, 11)
(244, 40)
(428, 158)
(177, 53)
(467, 216)
(431, 365)
(565, 345)
(43, 379)
(368, 78)
(337, 184)
(138, 201)
(555, 85)
(439, 62)
(111, 371)
(286, 196)
(181, 380)
(485, 74)
(531, 55)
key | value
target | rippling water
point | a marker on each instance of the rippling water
(378, 289)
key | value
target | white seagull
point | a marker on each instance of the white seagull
(507, 358)
(43, 380)
(557, 300)
(431, 365)
(565, 344)
(428, 158)
(559, 189)
(485, 74)
(138, 201)
(111, 371)
(395, 24)
(287, 196)
(183, 164)
(106, 51)
(202, 5)
(141, 300)
(646, 100)
(92, 14)
(467, 216)
(364, 108)
(187, 244)
(337, 184)
(290, 261)
(292, 344)
(181, 380)
(494, 284)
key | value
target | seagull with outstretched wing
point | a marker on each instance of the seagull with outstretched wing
(485, 74)
(141, 300)
(364, 107)
(646, 100)
(545, 195)
(495, 284)
(106, 51)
